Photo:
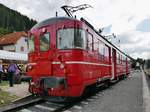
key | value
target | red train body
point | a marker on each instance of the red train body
(67, 55)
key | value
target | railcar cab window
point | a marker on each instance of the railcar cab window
(44, 42)
(71, 38)
(31, 44)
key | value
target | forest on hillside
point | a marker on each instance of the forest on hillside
(11, 20)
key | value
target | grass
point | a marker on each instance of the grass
(6, 98)
(4, 83)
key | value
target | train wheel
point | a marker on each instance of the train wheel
(89, 90)
(30, 89)
(107, 83)
(124, 76)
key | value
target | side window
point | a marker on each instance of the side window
(118, 58)
(96, 42)
(44, 42)
(101, 50)
(124, 60)
(106, 53)
(89, 42)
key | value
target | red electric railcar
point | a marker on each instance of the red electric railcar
(68, 55)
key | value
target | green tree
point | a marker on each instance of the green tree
(4, 31)
(11, 20)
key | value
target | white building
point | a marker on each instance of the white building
(16, 42)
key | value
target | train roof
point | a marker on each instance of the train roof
(52, 21)
(87, 23)
(59, 19)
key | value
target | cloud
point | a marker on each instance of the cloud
(128, 19)
(144, 26)
(135, 43)
(107, 29)
(37, 9)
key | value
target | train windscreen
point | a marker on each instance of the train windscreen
(71, 38)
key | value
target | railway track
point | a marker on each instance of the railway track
(34, 104)
(37, 104)
(22, 103)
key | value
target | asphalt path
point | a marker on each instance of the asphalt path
(125, 96)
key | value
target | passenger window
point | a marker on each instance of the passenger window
(96, 44)
(101, 50)
(118, 58)
(106, 53)
(90, 42)
(44, 42)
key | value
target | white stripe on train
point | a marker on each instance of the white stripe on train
(81, 62)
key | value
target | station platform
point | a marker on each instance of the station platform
(20, 90)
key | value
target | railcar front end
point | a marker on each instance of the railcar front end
(56, 59)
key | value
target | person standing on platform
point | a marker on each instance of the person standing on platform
(17, 76)
(11, 72)
(1, 70)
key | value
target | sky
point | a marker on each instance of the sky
(129, 20)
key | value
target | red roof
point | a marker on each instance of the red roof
(11, 38)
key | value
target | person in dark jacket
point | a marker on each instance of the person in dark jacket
(11, 72)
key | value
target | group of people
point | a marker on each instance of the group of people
(12, 70)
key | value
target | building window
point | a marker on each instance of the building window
(22, 48)
(25, 39)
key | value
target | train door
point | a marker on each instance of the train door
(44, 45)
(44, 50)
(113, 63)
(127, 68)
(90, 56)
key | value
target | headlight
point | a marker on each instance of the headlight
(62, 66)
(32, 83)
(29, 67)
